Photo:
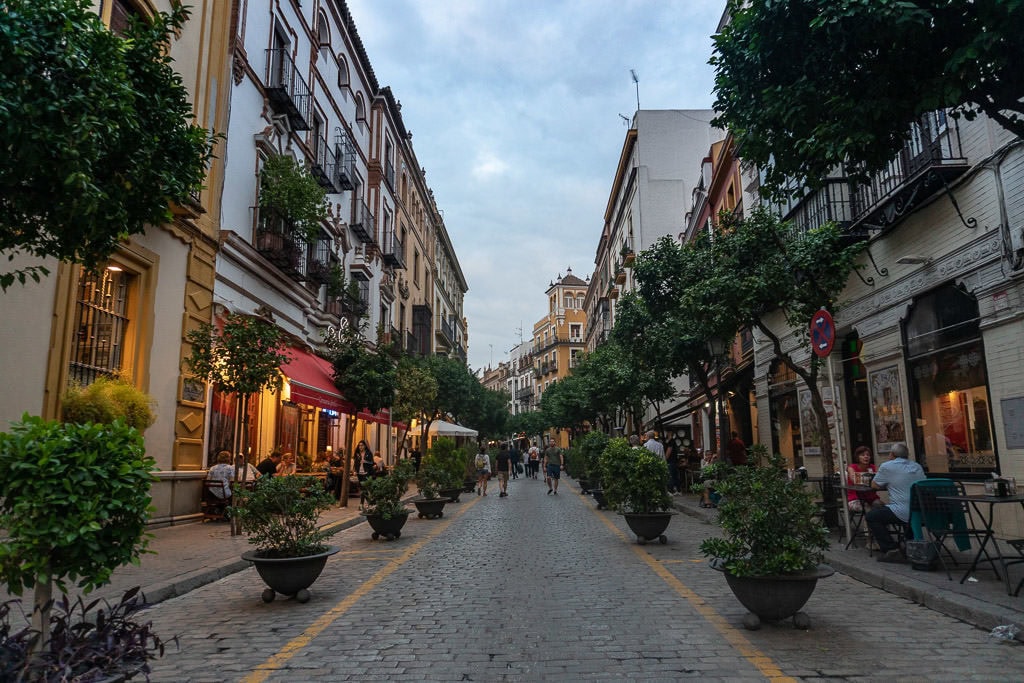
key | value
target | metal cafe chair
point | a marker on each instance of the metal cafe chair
(947, 520)
(214, 506)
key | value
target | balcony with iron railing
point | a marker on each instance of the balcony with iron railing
(931, 157)
(524, 393)
(324, 165)
(344, 172)
(320, 261)
(392, 250)
(286, 90)
(363, 222)
(445, 332)
(389, 174)
(411, 345)
(278, 242)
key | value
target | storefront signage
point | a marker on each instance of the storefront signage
(1013, 421)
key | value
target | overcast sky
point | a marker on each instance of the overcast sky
(514, 107)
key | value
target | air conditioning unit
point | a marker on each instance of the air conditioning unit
(1017, 240)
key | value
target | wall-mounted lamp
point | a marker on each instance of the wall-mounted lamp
(914, 259)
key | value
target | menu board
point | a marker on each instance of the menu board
(1013, 421)
(887, 409)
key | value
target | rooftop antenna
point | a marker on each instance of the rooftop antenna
(636, 82)
(625, 119)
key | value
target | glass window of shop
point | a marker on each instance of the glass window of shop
(950, 406)
(785, 415)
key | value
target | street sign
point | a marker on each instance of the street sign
(823, 333)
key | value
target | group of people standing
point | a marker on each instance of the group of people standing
(509, 465)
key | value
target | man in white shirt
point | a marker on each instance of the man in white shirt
(897, 476)
(653, 445)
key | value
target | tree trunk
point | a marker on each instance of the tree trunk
(346, 469)
(243, 422)
(42, 595)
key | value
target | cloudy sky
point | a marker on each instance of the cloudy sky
(514, 107)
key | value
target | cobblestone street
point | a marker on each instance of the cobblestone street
(542, 587)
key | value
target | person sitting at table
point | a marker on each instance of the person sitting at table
(287, 466)
(857, 500)
(897, 475)
(223, 471)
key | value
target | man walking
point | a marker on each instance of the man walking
(504, 465)
(736, 450)
(897, 475)
(516, 458)
(554, 460)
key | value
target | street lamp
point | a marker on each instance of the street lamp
(716, 349)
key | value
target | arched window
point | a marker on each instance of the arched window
(360, 109)
(343, 80)
(323, 34)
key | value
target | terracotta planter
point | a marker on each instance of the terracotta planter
(648, 526)
(776, 597)
(289, 575)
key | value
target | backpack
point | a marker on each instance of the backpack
(481, 461)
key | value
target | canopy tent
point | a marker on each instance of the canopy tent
(442, 428)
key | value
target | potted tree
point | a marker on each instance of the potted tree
(281, 516)
(774, 543)
(635, 484)
(431, 478)
(98, 453)
(384, 509)
(451, 461)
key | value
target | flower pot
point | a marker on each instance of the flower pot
(775, 597)
(584, 485)
(430, 508)
(648, 526)
(451, 494)
(598, 495)
(468, 485)
(390, 528)
(289, 575)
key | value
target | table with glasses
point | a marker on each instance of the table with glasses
(977, 502)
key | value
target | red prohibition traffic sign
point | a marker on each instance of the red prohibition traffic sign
(823, 333)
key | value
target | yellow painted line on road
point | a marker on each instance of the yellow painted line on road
(293, 646)
(762, 662)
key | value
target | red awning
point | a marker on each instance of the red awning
(312, 383)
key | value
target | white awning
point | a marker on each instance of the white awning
(442, 428)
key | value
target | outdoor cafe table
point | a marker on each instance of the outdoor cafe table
(976, 501)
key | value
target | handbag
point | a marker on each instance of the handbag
(519, 468)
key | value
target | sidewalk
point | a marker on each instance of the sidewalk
(984, 603)
(190, 555)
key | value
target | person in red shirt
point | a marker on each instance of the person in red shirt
(736, 450)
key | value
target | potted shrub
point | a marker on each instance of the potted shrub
(574, 466)
(451, 461)
(281, 516)
(97, 452)
(635, 484)
(430, 480)
(774, 542)
(384, 509)
(591, 445)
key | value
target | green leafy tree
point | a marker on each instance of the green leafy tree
(96, 129)
(488, 411)
(861, 74)
(368, 379)
(289, 188)
(756, 271)
(415, 391)
(74, 500)
(243, 357)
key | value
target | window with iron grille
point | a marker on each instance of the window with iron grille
(101, 325)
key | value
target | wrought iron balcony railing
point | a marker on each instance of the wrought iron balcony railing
(286, 89)
(363, 222)
(392, 250)
(277, 241)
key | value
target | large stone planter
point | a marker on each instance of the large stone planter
(430, 508)
(289, 576)
(598, 495)
(451, 494)
(390, 528)
(648, 526)
(776, 597)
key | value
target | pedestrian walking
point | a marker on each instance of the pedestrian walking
(534, 460)
(672, 454)
(516, 457)
(554, 461)
(482, 462)
(504, 468)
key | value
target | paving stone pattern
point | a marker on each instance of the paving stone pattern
(537, 587)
